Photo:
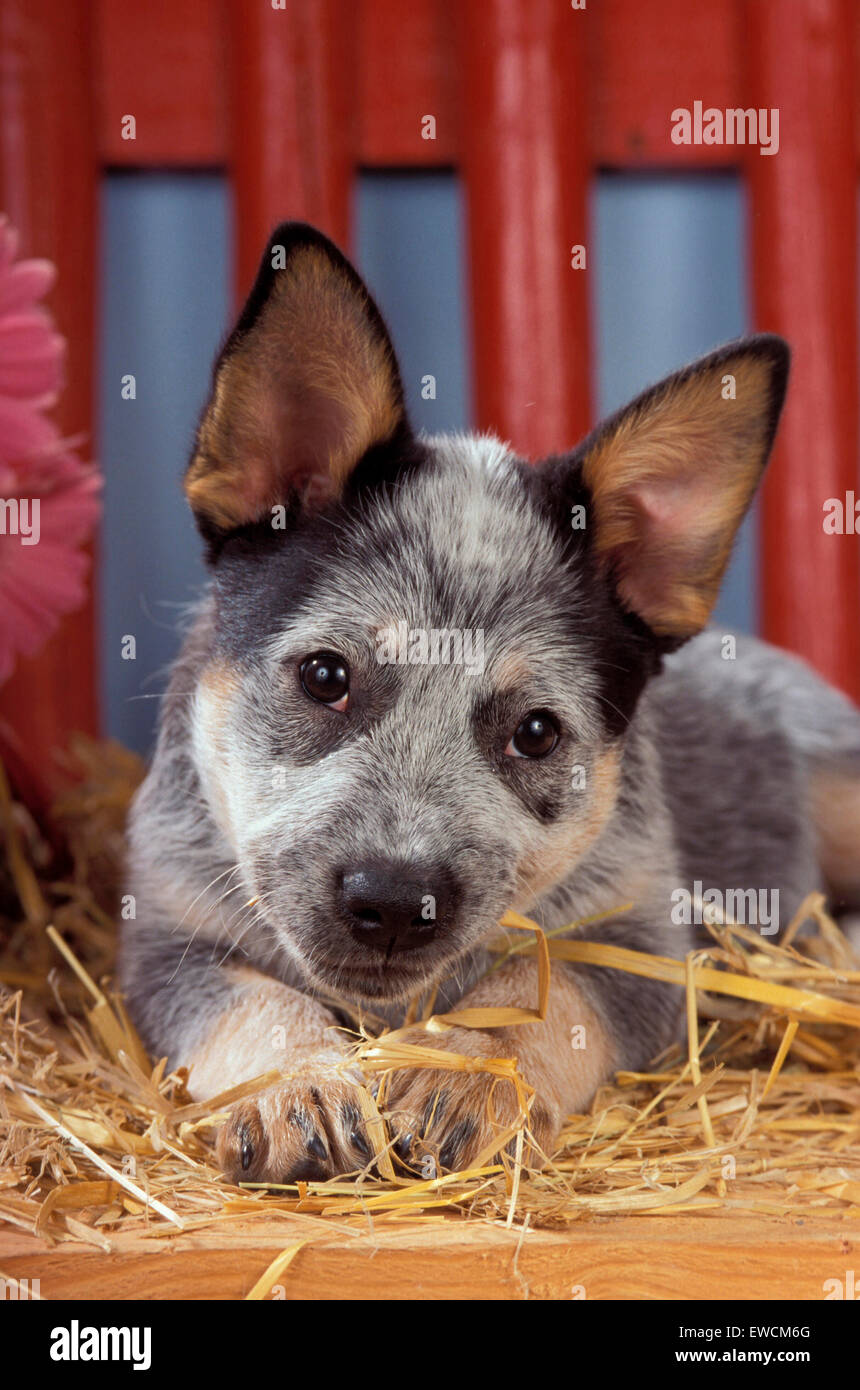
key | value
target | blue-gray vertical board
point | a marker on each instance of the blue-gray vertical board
(410, 248)
(164, 310)
(667, 257)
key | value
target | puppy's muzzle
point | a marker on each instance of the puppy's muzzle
(395, 906)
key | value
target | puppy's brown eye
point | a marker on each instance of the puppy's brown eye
(325, 677)
(535, 737)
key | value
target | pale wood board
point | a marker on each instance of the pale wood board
(685, 1257)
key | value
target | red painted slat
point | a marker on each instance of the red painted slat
(526, 168)
(47, 186)
(166, 63)
(646, 60)
(293, 131)
(163, 63)
(406, 70)
(804, 233)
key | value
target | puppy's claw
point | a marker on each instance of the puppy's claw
(456, 1143)
(301, 1130)
(457, 1119)
(403, 1145)
(358, 1141)
(316, 1145)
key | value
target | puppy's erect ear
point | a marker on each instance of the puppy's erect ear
(672, 475)
(305, 385)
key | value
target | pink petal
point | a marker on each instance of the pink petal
(22, 284)
(38, 582)
(24, 433)
(55, 469)
(31, 356)
(71, 516)
(8, 241)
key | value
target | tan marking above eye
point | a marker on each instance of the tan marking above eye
(511, 671)
(219, 683)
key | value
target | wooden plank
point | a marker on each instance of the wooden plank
(526, 169)
(646, 60)
(687, 1257)
(408, 69)
(292, 146)
(164, 64)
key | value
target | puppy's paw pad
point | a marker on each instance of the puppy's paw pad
(299, 1130)
(443, 1121)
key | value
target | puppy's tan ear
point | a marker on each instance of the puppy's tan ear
(306, 384)
(672, 475)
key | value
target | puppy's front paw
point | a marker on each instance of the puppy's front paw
(444, 1119)
(306, 1127)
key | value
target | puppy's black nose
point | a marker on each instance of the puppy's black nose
(395, 906)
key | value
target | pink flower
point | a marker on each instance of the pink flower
(49, 502)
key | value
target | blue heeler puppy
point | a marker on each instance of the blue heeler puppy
(324, 833)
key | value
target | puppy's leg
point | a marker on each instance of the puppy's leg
(565, 1058)
(230, 1023)
(306, 1126)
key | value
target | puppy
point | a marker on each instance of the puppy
(430, 683)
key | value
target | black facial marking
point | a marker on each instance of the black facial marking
(623, 649)
(264, 574)
(386, 465)
(261, 577)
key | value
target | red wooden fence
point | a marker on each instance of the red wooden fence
(529, 98)
(48, 173)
